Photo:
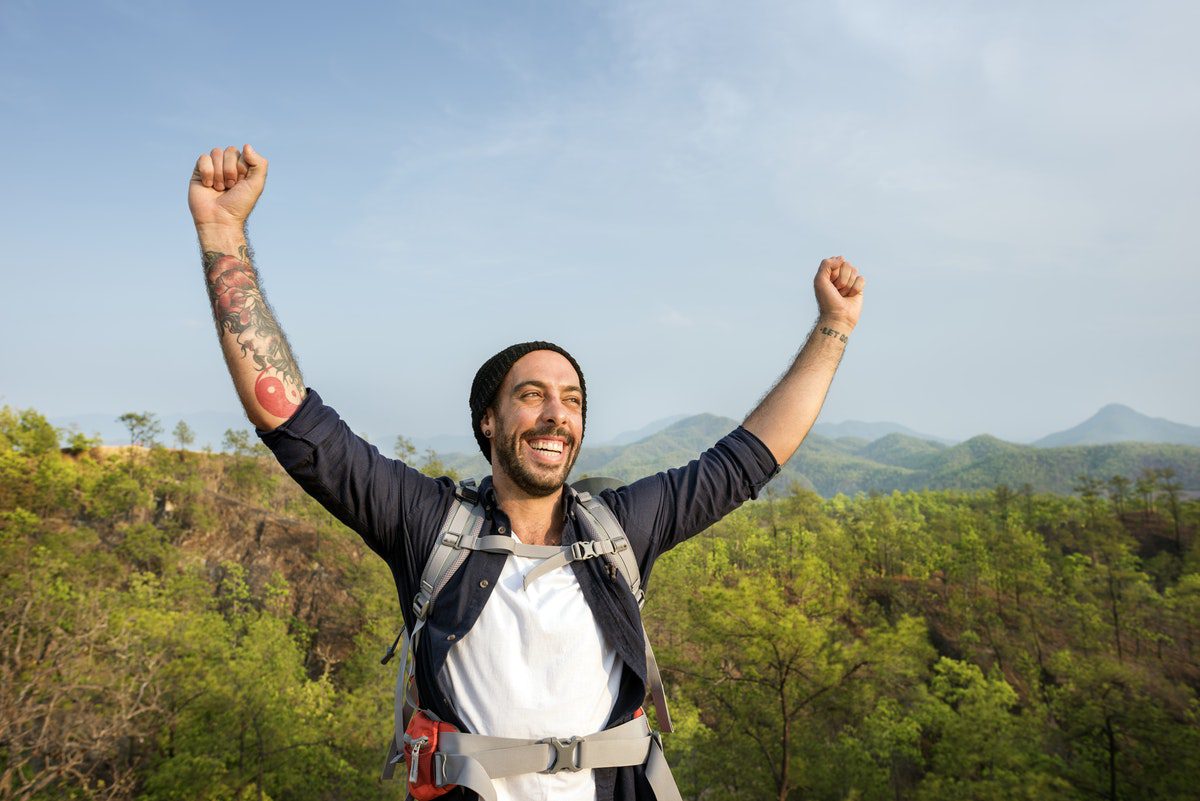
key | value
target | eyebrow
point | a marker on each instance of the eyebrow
(543, 385)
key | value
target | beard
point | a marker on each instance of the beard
(535, 480)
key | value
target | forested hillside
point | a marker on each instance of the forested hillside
(179, 625)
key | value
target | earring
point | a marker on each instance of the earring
(487, 433)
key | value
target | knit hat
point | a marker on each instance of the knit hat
(491, 375)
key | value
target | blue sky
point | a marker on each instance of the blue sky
(649, 184)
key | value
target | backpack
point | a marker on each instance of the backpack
(459, 535)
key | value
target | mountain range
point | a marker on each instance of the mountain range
(895, 461)
(846, 457)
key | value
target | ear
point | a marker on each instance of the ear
(487, 422)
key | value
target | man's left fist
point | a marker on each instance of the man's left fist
(839, 290)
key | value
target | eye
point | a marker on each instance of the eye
(574, 400)
(532, 393)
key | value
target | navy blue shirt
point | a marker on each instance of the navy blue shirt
(398, 511)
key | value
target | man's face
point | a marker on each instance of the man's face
(537, 423)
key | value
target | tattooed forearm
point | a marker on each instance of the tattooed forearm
(241, 311)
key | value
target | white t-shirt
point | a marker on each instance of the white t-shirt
(535, 665)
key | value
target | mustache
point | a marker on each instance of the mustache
(551, 431)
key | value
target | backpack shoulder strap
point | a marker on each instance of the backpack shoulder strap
(463, 519)
(605, 526)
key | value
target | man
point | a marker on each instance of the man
(564, 655)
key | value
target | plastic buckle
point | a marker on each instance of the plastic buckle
(467, 491)
(566, 754)
(421, 605)
(452, 539)
(583, 549)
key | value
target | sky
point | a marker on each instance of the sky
(651, 185)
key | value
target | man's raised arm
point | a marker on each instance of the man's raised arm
(222, 192)
(784, 416)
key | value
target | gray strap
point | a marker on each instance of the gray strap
(575, 552)
(474, 760)
(502, 543)
(605, 525)
(403, 676)
(394, 756)
(462, 520)
(657, 694)
(465, 772)
(658, 773)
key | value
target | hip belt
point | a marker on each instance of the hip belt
(475, 760)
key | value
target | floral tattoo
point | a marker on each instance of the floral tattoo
(240, 309)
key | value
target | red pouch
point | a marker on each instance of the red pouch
(420, 744)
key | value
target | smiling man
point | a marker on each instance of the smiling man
(531, 638)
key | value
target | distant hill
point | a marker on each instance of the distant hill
(871, 431)
(627, 437)
(1117, 423)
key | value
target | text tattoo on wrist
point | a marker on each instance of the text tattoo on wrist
(239, 307)
(829, 332)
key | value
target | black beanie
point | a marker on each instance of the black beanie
(491, 375)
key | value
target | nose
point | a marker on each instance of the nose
(555, 411)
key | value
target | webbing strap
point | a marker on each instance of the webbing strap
(474, 761)
(502, 543)
(575, 552)
(606, 526)
(658, 773)
(463, 520)
(657, 694)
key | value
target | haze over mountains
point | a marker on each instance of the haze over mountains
(845, 457)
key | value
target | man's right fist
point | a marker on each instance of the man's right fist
(225, 186)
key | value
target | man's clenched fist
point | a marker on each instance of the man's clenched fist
(225, 186)
(839, 290)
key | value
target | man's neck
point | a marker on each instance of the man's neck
(536, 521)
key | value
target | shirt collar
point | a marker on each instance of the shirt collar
(487, 495)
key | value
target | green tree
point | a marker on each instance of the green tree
(1168, 482)
(1145, 487)
(1122, 736)
(435, 467)
(27, 432)
(144, 428)
(981, 745)
(1118, 492)
(404, 449)
(77, 442)
(247, 471)
(184, 436)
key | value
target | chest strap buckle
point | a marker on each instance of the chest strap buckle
(583, 549)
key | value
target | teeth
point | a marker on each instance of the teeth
(547, 445)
